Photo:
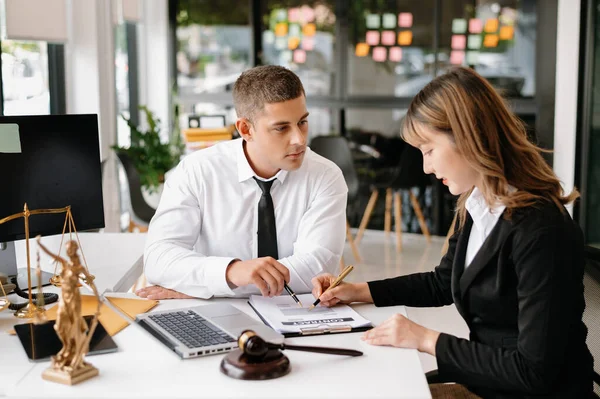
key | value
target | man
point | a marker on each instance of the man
(210, 234)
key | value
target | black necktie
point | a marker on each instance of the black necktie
(267, 232)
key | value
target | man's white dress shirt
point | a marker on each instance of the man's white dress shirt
(208, 213)
(484, 220)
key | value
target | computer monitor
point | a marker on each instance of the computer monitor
(58, 165)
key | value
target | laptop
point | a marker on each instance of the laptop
(203, 330)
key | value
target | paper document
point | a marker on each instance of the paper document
(284, 315)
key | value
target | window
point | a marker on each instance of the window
(25, 85)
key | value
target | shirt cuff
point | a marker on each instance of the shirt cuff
(215, 275)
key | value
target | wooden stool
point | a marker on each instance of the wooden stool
(450, 234)
(388, 216)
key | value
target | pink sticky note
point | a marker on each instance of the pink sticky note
(388, 37)
(457, 57)
(308, 13)
(294, 14)
(379, 54)
(475, 25)
(299, 56)
(459, 42)
(372, 38)
(405, 19)
(308, 43)
(395, 54)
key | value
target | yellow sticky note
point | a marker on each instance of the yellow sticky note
(362, 50)
(10, 141)
(405, 38)
(491, 25)
(281, 29)
(293, 43)
(507, 33)
(309, 29)
(490, 41)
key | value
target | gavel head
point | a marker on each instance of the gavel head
(252, 345)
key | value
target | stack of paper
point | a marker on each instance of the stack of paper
(284, 315)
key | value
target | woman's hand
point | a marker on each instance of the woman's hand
(400, 332)
(343, 293)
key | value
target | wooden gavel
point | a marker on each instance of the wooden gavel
(254, 346)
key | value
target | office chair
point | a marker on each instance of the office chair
(591, 314)
(406, 175)
(337, 150)
(141, 212)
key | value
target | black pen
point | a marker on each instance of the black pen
(292, 294)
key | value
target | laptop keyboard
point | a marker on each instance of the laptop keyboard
(192, 329)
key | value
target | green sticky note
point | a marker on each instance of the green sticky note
(459, 25)
(10, 141)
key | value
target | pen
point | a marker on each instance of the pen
(292, 293)
(335, 283)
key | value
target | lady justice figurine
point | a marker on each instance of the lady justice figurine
(68, 365)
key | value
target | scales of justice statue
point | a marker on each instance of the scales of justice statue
(68, 365)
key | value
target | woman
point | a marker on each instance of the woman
(514, 267)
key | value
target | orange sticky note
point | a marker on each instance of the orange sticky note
(293, 43)
(490, 41)
(405, 38)
(281, 29)
(362, 50)
(507, 33)
(309, 29)
(491, 25)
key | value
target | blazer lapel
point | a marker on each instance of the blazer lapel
(489, 248)
(458, 265)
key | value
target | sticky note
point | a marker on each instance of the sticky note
(293, 43)
(308, 13)
(475, 25)
(405, 19)
(372, 38)
(268, 37)
(281, 29)
(362, 50)
(373, 21)
(507, 33)
(280, 14)
(395, 54)
(286, 56)
(491, 25)
(379, 54)
(294, 14)
(405, 38)
(459, 25)
(388, 21)
(10, 142)
(299, 56)
(309, 29)
(388, 37)
(308, 43)
(472, 57)
(281, 43)
(294, 30)
(457, 57)
(459, 42)
(490, 41)
(474, 42)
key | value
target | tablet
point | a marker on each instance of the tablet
(41, 342)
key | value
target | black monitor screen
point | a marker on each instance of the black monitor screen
(59, 165)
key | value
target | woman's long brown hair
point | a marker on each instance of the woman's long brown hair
(489, 136)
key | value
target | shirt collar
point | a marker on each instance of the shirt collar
(480, 212)
(245, 171)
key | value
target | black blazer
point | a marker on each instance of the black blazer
(522, 298)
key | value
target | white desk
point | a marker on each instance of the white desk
(143, 367)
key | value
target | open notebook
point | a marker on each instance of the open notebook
(284, 315)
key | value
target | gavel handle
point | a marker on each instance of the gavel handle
(322, 349)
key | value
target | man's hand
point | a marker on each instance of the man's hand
(343, 293)
(266, 273)
(158, 292)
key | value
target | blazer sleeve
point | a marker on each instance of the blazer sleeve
(547, 281)
(419, 289)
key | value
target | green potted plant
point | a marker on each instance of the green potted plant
(151, 156)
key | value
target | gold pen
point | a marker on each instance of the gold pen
(335, 283)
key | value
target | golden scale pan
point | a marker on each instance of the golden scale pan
(37, 310)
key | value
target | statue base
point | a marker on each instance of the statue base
(70, 378)
(238, 365)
